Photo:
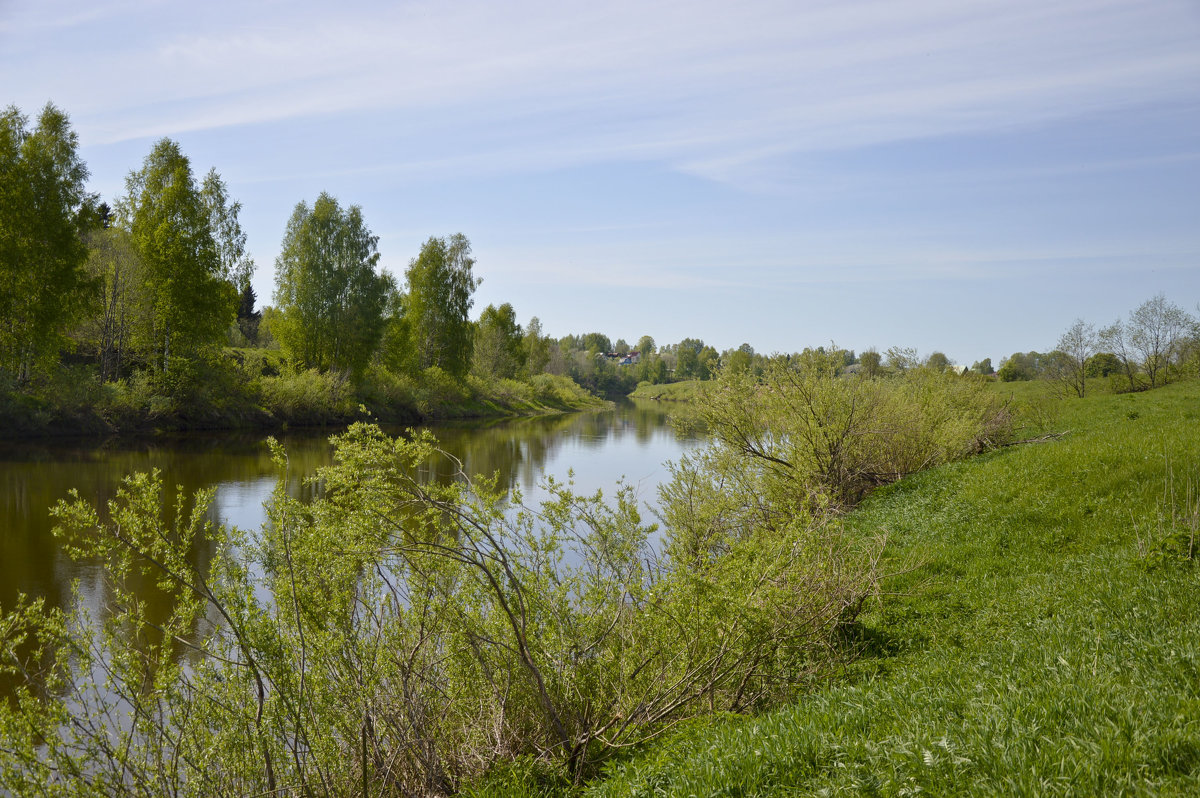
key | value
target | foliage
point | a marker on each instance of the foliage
(498, 349)
(308, 397)
(983, 367)
(1067, 364)
(1033, 651)
(841, 436)
(405, 631)
(116, 320)
(191, 305)
(694, 360)
(1022, 366)
(44, 213)
(535, 348)
(331, 299)
(937, 361)
(870, 363)
(236, 267)
(440, 295)
(1102, 364)
(902, 358)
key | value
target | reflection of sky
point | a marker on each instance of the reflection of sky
(598, 461)
(632, 442)
(242, 503)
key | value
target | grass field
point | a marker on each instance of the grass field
(1041, 636)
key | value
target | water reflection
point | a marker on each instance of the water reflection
(633, 442)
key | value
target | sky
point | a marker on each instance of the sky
(963, 176)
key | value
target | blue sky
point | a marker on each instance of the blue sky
(948, 175)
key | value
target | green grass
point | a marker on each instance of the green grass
(685, 391)
(1041, 636)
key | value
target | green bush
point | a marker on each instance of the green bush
(559, 391)
(421, 619)
(832, 438)
(308, 397)
(435, 390)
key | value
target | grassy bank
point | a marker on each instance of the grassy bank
(1041, 634)
(685, 391)
(258, 390)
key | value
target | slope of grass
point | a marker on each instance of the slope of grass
(1041, 636)
(684, 391)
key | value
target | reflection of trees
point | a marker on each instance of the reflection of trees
(34, 477)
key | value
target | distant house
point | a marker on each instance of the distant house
(621, 358)
(959, 370)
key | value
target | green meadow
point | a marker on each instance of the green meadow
(1039, 634)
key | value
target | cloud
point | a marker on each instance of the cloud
(709, 88)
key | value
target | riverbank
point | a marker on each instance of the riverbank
(235, 397)
(684, 391)
(1040, 635)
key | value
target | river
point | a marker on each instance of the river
(633, 442)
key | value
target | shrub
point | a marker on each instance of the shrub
(436, 390)
(409, 630)
(832, 438)
(308, 397)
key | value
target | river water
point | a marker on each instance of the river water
(632, 442)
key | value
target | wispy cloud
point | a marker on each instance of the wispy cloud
(711, 88)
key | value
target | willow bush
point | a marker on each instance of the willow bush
(411, 629)
(825, 439)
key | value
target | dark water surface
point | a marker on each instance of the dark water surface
(632, 441)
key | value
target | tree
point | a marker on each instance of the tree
(1115, 339)
(1155, 332)
(983, 366)
(737, 360)
(687, 359)
(707, 362)
(247, 317)
(191, 304)
(902, 358)
(1102, 364)
(236, 266)
(537, 348)
(870, 363)
(596, 342)
(327, 289)
(119, 309)
(1075, 346)
(498, 350)
(44, 213)
(645, 345)
(1022, 366)
(441, 291)
(937, 361)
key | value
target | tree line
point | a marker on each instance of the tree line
(157, 287)
(1159, 342)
